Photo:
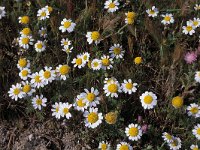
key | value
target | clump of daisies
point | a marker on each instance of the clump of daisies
(191, 26)
(173, 142)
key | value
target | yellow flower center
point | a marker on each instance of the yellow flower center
(96, 64)
(198, 131)
(117, 50)
(167, 18)
(16, 91)
(195, 148)
(105, 62)
(22, 62)
(130, 20)
(64, 69)
(112, 5)
(195, 23)
(78, 61)
(104, 146)
(39, 102)
(65, 43)
(47, 74)
(67, 24)
(112, 88)
(177, 102)
(138, 60)
(24, 73)
(131, 15)
(189, 28)
(92, 117)
(43, 14)
(148, 99)
(124, 147)
(80, 103)
(39, 45)
(65, 111)
(50, 9)
(151, 12)
(25, 40)
(95, 35)
(85, 57)
(90, 97)
(133, 131)
(26, 31)
(129, 86)
(168, 136)
(111, 118)
(37, 79)
(57, 108)
(175, 143)
(26, 88)
(25, 19)
(194, 110)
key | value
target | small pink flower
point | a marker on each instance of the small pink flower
(190, 57)
(139, 119)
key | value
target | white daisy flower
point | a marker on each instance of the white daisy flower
(91, 97)
(134, 132)
(196, 131)
(196, 22)
(25, 32)
(167, 19)
(36, 80)
(197, 76)
(2, 12)
(23, 63)
(55, 110)
(62, 71)
(167, 137)
(107, 62)
(43, 32)
(25, 41)
(47, 75)
(148, 100)
(175, 144)
(194, 110)
(194, 147)
(27, 88)
(93, 118)
(67, 25)
(116, 51)
(65, 42)
(111, 5)
(189, 29)
(197, 7)
(40, 46)
(43, 13)
(25, 73)
(64, 110)
(81, 104)
(24, 19)
(153, 12)
(104, 146)
(85, 56)
(78, 61)
(39, 102)
(96, 64)
(112, 88)
(124, 146)
(129, 87)
(67, 49)
(15, 92)
(93, 37)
